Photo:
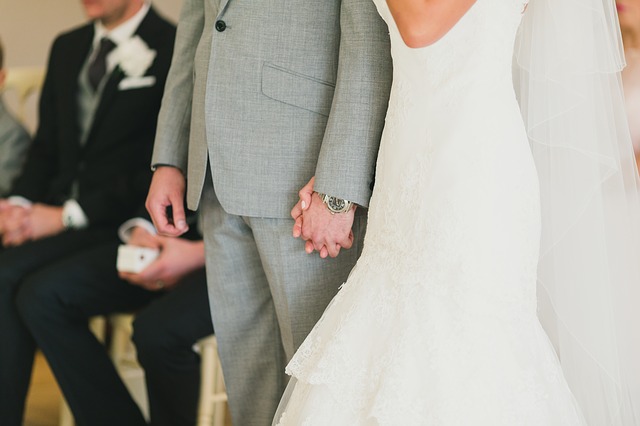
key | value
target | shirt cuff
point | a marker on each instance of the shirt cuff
(124, 232)
(73, 217)
(16, 200)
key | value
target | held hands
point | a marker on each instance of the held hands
(178, 257)
(324, 232)
(167, 190)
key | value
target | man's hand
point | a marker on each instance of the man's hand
(167, 190)
(4, 209)
(15, 225)
(140, 237)
(45, 221)
(178, 258)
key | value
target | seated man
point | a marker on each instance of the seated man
(88, 167)
(14, 140)
(57, 302)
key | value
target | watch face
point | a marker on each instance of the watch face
(336, 204)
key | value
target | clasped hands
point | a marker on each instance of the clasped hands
(19, 224)
(323, 231)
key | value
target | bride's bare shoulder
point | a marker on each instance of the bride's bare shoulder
(423, 22)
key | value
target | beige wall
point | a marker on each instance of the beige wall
(28, 27)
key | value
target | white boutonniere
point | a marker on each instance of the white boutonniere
(134, 57)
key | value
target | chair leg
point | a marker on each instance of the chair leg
(207, 381)
(220, 396)
(65, 418)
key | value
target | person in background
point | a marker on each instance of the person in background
(14, 139)
(172, 313)
(87, 169)
(629, 15)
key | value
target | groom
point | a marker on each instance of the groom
(261, 97)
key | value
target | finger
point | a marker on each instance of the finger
(305, 199)
(317, 245)
(333, 250)
(308, 247)
(134, 279)
(297, 227)
(305, 194)
(347, 242)
(324, 252)
(296, 211)
(179, 217)
(305, 230)
(158, 212)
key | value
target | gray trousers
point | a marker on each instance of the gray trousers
(265, 294)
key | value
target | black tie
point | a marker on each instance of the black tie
(98, 68)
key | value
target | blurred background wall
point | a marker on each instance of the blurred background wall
(28, 27)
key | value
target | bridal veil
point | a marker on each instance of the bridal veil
(568, 58)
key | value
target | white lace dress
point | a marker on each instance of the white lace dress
(437, 322)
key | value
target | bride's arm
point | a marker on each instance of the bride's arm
(423, 22)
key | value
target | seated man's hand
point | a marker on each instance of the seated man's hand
(178, 258)
(140, 237)
(45, 221)
(15, 225)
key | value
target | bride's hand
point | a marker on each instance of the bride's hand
(296, 213)
(303, 204)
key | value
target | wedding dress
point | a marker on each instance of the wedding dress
(437, 323)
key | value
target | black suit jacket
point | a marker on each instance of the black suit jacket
(112, 169)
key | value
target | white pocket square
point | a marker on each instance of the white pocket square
(129, 83)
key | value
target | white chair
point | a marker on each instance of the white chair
(24, 82)
(213, 397)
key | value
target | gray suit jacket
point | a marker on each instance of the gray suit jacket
(272, 93)
(14, 145)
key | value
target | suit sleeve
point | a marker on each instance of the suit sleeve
(346, 164)
(172, 137)
(41, 165)
(14, 144)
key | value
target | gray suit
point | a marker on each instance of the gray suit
(271, 93)
(14, 145)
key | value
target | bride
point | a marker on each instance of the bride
(486, 200)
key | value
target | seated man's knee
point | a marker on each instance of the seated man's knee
(148, 335)
(36, 298)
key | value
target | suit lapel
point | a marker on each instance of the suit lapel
(223, 5)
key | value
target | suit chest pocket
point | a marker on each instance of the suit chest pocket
(297, 89)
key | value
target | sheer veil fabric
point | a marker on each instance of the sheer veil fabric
(567, 63)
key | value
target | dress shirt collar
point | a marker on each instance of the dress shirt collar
(123, 31)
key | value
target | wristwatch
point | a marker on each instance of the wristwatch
(335, 204)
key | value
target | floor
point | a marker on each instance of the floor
(43, 402)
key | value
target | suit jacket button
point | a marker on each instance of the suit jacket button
(221, 26)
